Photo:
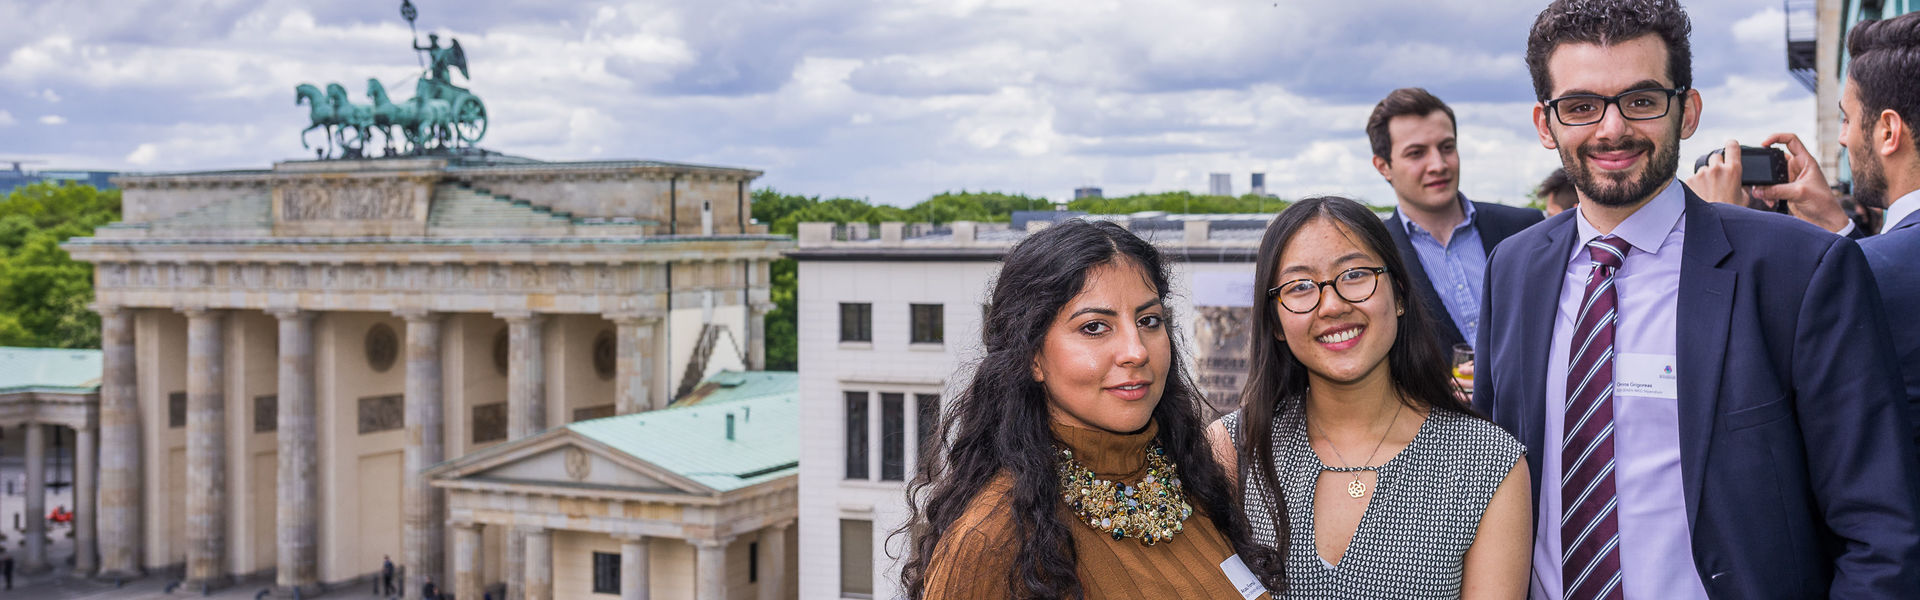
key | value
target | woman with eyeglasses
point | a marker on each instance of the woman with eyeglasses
(1351, 450)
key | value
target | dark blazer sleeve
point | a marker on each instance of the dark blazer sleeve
(1851, 411)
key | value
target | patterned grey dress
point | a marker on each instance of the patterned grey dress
(1412, 541)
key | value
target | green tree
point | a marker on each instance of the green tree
(44, 292)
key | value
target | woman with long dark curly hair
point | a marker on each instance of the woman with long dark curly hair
(1349, 428)
(1074, 462)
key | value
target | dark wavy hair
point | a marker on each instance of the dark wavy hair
(999, 422)
(1885, 70)
(1420, 368)
(1607, 22)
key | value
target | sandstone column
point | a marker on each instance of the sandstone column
(633, 366)
(773, 562)
(120, 529)
(526, 415)
(466, 560)
(635, 567)
(297, 529)
(206, 450)
(539, 577)
(757, 336)
(662, 383)
(710, 570)
(85, 464)
(33, 555)
(422, 537)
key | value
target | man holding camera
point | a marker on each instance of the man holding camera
(1880, 110)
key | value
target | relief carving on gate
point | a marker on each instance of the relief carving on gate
(356, 202)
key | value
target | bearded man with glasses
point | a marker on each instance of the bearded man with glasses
(1708, 394)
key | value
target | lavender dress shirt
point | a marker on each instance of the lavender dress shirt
(1656, 548)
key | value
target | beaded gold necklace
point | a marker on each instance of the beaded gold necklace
(1151, 512)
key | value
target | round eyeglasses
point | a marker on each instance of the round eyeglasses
(1638, 105)
(1354, 285)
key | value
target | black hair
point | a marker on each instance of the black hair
(999, 422)
(1607, 22)
(1420, 368)
(1551, 189)
(1402, 102)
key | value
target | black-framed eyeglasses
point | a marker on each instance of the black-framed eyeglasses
(1354, 285)
(1575, 110)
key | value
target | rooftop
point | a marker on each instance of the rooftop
(49, 369)
(693, 442)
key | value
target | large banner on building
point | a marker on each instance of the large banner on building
(1222, 327)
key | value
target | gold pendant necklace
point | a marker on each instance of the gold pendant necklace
(1356, 488)
(1151, 512)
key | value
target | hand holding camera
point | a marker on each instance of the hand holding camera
(1791, 180)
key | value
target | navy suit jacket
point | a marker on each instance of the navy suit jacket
(1495, 222)
(1795, 455)
(1895, 259)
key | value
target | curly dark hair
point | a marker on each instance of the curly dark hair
(999, 423)
(1885, 70)
(1607, 22)
(1421, 369)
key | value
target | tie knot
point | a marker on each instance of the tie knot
(1610, 251)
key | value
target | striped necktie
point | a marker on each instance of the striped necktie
(1589, 525)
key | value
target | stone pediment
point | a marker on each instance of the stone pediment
(562, 459)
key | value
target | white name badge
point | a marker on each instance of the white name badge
(1242, 578)
(1646, 375)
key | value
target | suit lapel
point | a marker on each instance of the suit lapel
(1704, 313)
(1492, 228)
(1418, 273)
(1538, 309)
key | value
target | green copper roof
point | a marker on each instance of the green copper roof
(730, 386)
(49, 369)
(691, 441)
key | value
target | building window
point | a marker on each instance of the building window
(856, 558)
(928, 326)
(606, 573)
(927, 418)
(893, 437)
(856, 435)
(266, 413)
(489, 422)
(856, 322)
(753, 562)
(177, 410)
(382, 413)
(593, 412)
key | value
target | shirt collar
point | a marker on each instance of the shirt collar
(1646, 229)
(1899, 210)
(1466, 216)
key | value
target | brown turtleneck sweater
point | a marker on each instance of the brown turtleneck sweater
(971, 562)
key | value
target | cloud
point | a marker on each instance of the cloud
(894, 100)
(1763, 27)
(6, 118)
(53, 120)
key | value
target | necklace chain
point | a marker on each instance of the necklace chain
(1356, 488)
(1151, 512)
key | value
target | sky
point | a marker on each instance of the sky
(888, 100)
